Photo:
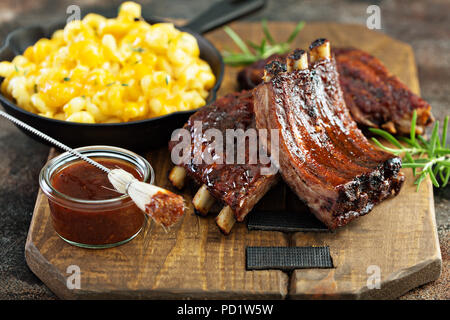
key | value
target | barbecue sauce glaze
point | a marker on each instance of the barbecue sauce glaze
(234, 184)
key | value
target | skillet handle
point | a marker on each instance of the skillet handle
(223, 12)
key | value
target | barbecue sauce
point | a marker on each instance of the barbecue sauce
(82, 180)
(160, 212)
(100, 223)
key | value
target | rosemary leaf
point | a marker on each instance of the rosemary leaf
(422, 177)
(239, 42)
(423, 141)
(387, 136)
(443, 151)
(267, 32)
(444, 162)
(436, 164)
(413, 127)
(447, 176)
(434, 139)
(413, 165)
(436, 170)
(238, 59)
(252, 52)
(444, 132)
(422, 160)
(441, 173)
(410, 159)
(433, 178)
(262, 47)
(294, 33)
(253, 45)
(378, 143)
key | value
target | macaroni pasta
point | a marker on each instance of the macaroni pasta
(99, 70)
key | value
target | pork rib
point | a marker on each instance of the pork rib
(323, 156)
(238, 186)
(375, 97)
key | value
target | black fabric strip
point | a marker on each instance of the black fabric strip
(288, 258)
(284, 221)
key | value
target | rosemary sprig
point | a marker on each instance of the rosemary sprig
(432, 156)
(252, 52)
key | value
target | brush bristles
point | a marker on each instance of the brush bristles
(120, 179)
(143, 194)
(163, 206)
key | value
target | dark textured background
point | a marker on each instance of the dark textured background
(425, 25)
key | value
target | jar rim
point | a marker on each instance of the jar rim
(54, 164)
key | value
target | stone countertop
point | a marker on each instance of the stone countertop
(422, 24)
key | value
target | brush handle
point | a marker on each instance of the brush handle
(53, 141)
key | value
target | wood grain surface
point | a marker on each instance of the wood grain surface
(194, 260)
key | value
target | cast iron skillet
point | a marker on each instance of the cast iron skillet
(136, 135)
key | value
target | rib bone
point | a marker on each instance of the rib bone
(298, 60)
(320, 50)
(203, 201)
(177, 177)
(272, 69)
(225, 220)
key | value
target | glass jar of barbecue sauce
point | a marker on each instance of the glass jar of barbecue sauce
(85, 209)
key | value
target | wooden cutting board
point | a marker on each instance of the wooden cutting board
(397, 240)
